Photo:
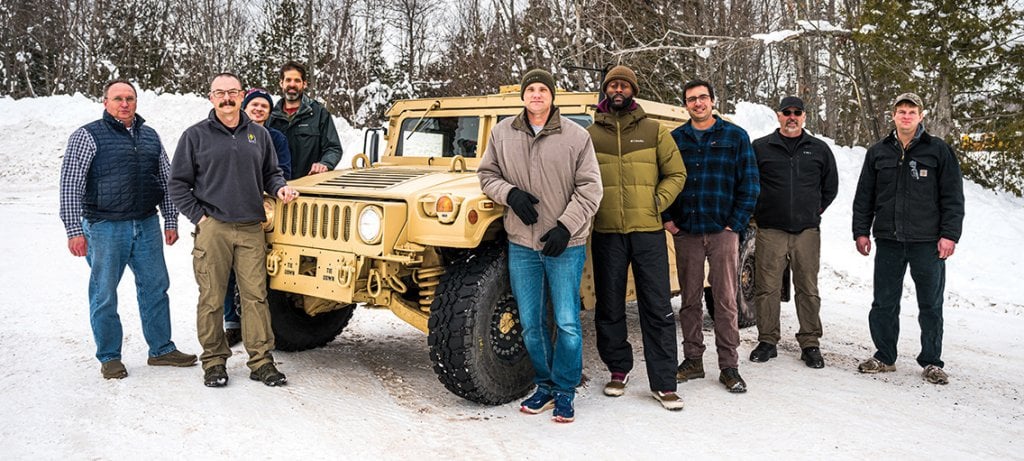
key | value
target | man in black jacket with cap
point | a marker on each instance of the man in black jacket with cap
(910, 195)
(798, 182)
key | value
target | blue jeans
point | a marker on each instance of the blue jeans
(558, 366)
(137, 244)
(232, 318)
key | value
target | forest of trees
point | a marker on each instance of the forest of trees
(846, 58)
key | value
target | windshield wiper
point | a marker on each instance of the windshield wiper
(419, 122)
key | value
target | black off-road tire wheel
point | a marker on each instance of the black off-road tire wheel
(295, 330)
(745, 309)
(475, 337)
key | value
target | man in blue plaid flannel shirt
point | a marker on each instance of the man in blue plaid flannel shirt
(706, 221)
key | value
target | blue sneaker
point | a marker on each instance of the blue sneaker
(539, 402)
(564, 413)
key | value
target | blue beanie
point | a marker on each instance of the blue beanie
(257, 93)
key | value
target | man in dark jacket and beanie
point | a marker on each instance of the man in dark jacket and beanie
(798, 182)
(114, 176)
(910, 195)
(706, 220)
(642, 173)
(312, 138)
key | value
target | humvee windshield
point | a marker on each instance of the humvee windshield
(438, 137)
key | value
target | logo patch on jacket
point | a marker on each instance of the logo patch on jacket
(252, 138)
(637, 140)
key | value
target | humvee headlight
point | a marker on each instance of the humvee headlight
(268, 212)
(370, 224)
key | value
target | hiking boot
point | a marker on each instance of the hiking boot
(564, 412)
(233, 336)
(269, 375)
(173, 358)
(113, 369)
(935, 375)
(690, 369)
(539, 402)
(732, 380)
(874, 365)
(764, 352)
(669, 399)
(215, 376)
(812, 357)
(617, 386)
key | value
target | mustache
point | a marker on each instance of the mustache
(227, 102)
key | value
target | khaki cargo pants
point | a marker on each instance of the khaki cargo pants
(219, 247)
(803, 251)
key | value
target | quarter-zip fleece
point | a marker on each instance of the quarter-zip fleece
(223, 173)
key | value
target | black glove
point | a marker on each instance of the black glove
(522, 203)
(556, 240)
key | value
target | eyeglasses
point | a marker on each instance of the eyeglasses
(701, 98)
(217, 94)
(120, 100)
(788, 112)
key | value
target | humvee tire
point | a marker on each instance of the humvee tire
(475, 338)
(745, 309)
(295, 330)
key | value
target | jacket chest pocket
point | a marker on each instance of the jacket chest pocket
(885, 172)
(923, 173)
(306, 131)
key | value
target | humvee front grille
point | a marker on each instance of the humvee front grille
(319, 221)
(374, 178)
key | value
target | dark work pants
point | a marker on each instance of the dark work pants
(648, 254)
(929, 275)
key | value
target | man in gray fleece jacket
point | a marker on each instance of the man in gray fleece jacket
(543, 167)
(221, 169)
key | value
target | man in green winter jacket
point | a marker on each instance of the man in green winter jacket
(312, 138)
(642, 173)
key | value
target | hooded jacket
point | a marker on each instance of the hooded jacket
(641, 170)
(312, 137)
(557, 165)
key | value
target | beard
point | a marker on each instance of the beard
(625, 103)
(292, 97)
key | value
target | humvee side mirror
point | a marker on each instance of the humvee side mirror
(371, 142)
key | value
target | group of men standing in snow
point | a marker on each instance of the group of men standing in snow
(114, 175)
(622, 183)
(632, 179)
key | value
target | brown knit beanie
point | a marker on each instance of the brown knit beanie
(537, 76)
(621, 73)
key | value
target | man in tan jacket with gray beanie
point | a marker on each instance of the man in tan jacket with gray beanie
(543, 167)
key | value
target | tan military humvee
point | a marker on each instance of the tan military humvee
(413, 233)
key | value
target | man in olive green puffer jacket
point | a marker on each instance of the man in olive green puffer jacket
(642, 173)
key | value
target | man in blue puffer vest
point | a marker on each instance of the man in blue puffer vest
(113, 177)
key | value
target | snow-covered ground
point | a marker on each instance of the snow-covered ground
(372, 393)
